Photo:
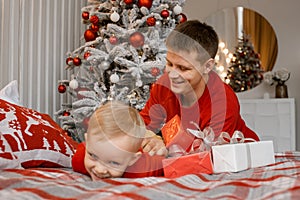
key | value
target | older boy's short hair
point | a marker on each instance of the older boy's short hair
(193, 35)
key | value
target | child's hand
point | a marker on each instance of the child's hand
(154, 144)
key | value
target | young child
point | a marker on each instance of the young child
(112, 146)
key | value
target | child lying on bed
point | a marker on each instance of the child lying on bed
(112, 146)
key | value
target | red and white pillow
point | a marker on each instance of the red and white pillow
(10, 93)
(32, 139)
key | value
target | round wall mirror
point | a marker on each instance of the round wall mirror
(248, 46)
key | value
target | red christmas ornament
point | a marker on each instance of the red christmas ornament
(94, 28)
(155, 71)
(181, 18)
(151, 21)
(85, 15)
(145, 3)
(137, 39)
(86, 55)
(69, 61)
(94, 20)
(66, 113)
(128, 2)
(62, 88)
(164, 13)
(113, 40)
(76, 61)
(90, 35)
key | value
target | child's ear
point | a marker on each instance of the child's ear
(135, 157)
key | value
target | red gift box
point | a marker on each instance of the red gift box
(173, 134)
(170, 129)
(188, 164)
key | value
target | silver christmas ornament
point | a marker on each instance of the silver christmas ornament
(114, 16)
(73, 84)
(114, 78)
(177, 10)
(104, 65)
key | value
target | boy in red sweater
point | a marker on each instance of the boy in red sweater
(191, 89)
(112, 146)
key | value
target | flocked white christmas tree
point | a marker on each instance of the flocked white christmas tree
(123, 53)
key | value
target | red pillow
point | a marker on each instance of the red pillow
(32, 139)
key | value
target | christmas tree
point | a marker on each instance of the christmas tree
(122, 54)
(245, 71)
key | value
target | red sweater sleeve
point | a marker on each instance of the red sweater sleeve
(146, 166)
(78, 159)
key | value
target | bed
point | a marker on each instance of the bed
(277, 181)
(35, 163)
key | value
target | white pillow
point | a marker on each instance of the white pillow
(10, 93)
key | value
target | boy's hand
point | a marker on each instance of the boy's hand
(154, 144)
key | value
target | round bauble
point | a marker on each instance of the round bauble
(114, 78)
(158, 24)
(94, 19)
(94, 28)
(137, 39)
(155, 71)
(86, 55)
(76, 61)
(113, 40)
(69, 61)
(128, 2)
(165, 13)
(74, 84)
(90, 35)
(177, 9)
(114, 16)
(62, 88)
(66, 113)
(85, 15)
(145, 3)
(151, 21)
(104, 65)
(181, 18)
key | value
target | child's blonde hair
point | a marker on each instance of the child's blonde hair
(115, 119)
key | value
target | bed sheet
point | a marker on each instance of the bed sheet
(277, 181)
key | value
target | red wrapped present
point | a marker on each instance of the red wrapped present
(189, 164)
(170, 129)
(173, 134)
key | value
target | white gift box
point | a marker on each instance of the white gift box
(241, 156)
(261, 153)
(230, 157)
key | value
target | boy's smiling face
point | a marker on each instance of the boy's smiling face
(187, 75)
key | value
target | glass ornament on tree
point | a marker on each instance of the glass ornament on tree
(121, 55)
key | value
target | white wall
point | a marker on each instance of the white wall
(284, 17)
